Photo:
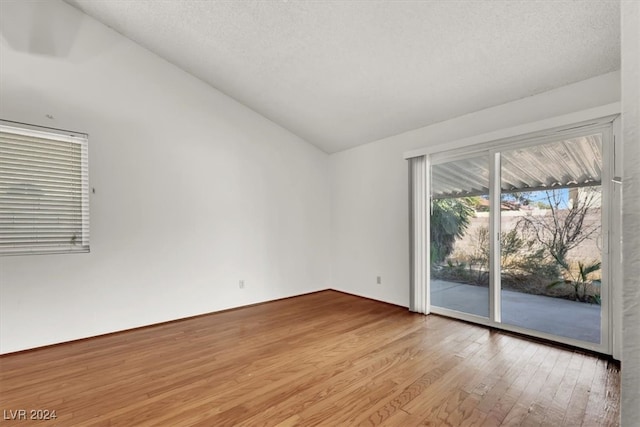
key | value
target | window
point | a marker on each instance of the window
(520, 232)
(44, 190)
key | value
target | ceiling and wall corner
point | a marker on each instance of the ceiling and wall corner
(194, 191)
(369, 186)
(340, 74)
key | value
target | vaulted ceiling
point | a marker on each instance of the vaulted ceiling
(344, 73)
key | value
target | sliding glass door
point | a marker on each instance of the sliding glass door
(551, 237)
(459, 249)
(518, 236)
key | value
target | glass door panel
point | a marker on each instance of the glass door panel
(551, 238)
(460, 235)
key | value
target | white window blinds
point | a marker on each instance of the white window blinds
(44, 191)
(419, 182)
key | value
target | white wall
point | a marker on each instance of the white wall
(369, 187)
(631, 212)
(193, 190)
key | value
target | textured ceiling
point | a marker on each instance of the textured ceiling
(344, 73)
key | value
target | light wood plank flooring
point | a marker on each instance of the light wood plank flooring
(326, 359)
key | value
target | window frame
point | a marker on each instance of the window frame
(81, 213)
(605, 119)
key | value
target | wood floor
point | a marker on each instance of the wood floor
(326, 359)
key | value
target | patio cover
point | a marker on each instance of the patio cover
(574, 162)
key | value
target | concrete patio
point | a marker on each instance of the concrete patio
(556, 316)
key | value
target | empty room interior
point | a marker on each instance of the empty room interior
(336, 213)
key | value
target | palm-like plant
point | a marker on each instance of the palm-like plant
(580, 281)
(450, 219)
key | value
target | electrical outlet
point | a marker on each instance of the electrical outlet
(379, 280)
(241, 284)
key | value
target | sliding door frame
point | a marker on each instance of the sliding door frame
(606, 125)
